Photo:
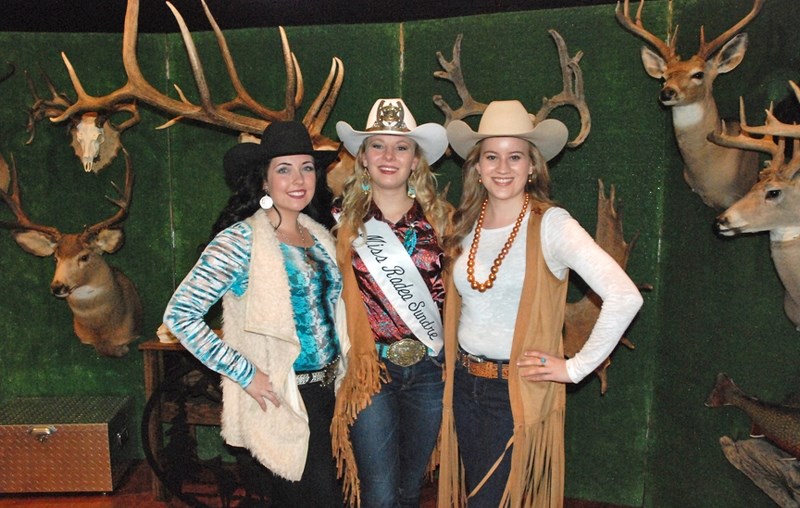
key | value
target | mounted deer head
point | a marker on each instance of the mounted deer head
(205, 111)
(773, 204)
(572, 93)
(106, 308)
(720, 175)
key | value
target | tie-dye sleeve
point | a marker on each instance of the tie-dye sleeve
(222, 267)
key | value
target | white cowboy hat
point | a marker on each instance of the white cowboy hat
(509, 119)
(392, 116)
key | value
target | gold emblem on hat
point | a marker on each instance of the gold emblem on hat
(389, 117)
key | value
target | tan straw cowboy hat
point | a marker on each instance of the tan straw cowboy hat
(509, 119)
(392, 116)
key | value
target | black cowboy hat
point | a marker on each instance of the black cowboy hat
(279, 139)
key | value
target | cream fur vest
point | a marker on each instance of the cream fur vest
(260, 325)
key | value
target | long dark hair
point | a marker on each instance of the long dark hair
(248, 189)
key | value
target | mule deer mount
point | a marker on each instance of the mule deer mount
(204, 111)
(773, 204)
(720, 175)
(106, 308)
(572, 93)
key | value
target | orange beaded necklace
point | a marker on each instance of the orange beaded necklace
(503, 252)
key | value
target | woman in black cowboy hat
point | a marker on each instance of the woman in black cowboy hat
(272, 263)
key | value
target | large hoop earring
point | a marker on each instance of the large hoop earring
(266, 202)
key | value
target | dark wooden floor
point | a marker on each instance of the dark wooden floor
(134, 492)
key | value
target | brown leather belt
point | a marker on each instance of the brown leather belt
(483, 367)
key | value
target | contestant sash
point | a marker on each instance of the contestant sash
(392, 268)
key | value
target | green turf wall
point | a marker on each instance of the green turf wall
(716, 304)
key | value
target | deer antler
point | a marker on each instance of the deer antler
(11, 198)
(452, 72)
(774, 127)
(707, 49)
(44, 108)
(744, 140)
(665, 49)
(572, 94)
(123, 202)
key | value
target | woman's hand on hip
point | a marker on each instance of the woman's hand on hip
(540, 366)
(260, 388)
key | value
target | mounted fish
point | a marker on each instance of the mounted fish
(106, 309)
(771, 459)
(580, 316)
(778, 423)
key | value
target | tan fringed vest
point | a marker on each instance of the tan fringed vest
(536, 479)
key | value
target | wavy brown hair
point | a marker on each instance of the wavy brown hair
(356, 201)
(474, 193)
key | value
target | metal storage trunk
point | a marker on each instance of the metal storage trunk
(64, 444)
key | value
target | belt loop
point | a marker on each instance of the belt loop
(499, 370)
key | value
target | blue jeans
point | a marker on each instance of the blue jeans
(484, 425)
(394, 436)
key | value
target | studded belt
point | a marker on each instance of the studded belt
(483, 367)
(325, 375)
(405, 352)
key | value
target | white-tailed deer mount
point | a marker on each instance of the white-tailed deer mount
(773, 204)
(719, 175)
(106, 309)
(580, 316)
(572, 93)
(205, 111)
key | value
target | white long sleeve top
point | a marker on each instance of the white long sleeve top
(487, 319)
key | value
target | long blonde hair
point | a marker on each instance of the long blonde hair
(474, 193)
(356, 201)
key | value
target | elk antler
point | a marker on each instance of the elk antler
(452, 72)
(123, 202)
(572, 93)
(221, 115)
(12, 200)
(665, 49)
(707, 49)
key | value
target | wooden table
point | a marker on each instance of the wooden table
(198, 413)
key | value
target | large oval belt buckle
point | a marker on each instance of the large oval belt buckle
(406, 352)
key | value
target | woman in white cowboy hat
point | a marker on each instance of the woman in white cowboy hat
(271, 261)
(391, 220)
(512, 249)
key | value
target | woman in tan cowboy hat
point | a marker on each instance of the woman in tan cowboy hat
(512, 249)
(271, 261)
(391, 220)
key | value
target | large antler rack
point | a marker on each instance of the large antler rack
(572, 93)
(123, 202)
(205, 111)
(667, 49)
(773, 143)
(453, 73)
(11, 197)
